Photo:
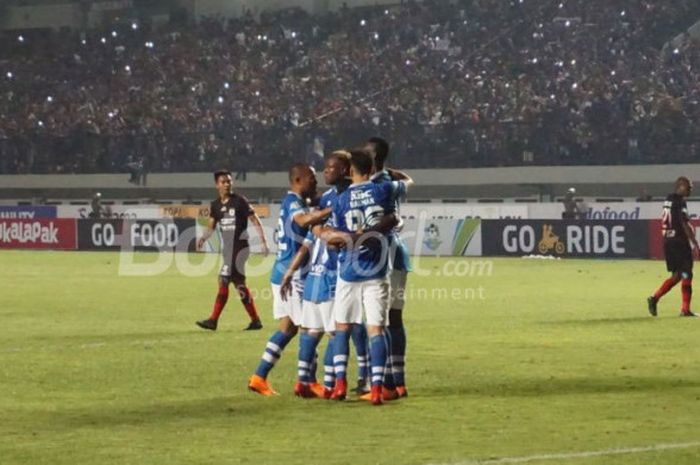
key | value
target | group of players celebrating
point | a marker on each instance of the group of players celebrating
(340, 270)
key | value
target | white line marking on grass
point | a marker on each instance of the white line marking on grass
(578, 455)
(92, 345)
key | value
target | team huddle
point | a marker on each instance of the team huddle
(340, 270)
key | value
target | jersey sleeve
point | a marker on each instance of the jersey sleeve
(246, 206)
(296, 207)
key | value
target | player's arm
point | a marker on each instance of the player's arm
(308, 219)
(255, 220)
(211, 224)
(297, 261)
(397, 175)
(388, 222)
(332, 236)
(690, 234)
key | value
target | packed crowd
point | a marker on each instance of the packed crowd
(451, 84)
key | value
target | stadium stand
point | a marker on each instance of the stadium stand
(452, 84)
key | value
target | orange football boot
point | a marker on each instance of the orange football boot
(261, 386)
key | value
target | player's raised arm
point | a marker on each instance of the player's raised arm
(253, 218)
(397, 175)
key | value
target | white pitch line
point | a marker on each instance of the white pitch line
(91, 345)
(578, 455)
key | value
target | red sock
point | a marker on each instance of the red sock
(219, 303)
(247, 301)
(687, 293)
(665, 287)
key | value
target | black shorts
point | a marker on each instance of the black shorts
(233, 268)
(679, 256)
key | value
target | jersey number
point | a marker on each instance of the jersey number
(359, 218)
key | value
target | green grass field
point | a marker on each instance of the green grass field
(559, 357)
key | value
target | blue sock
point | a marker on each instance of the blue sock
(307, 353)
(378, 357)
(341, 350)
(389, 382)
(398, 354)
(359, 339)
(273, 352)
(328, 370)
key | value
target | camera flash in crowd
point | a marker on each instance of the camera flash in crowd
(573, 62)
(9, 75)
(386, 12)
(127, 68)
(20, 38)
(257, 93)
(676, 51)
(103, 40)
(567, 23)
(294, 35)
(574, 86)
(110, 115)
(363, 22)
(376, 36)
(41, 124)
(226, 85)
(49, 99)
(134, 26)
(220, 99)
(561, 5)
(623, 13)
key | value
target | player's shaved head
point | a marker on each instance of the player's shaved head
(298, 170)
(361, 161)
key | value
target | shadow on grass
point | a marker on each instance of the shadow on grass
(543, 387)
(601, 321)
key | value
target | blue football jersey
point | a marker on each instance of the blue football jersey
(289, 236)
(319, 285)
(362, 206)
(401, 260)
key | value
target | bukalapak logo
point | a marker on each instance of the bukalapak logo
(29, 233)
(608, 213)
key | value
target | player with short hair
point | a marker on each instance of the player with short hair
(400, 267)
(231, 212)
(295, 219)
(319, 288)
(363, 286)
(678, 234)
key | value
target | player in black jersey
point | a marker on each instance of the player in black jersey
(678, 234)
(231, 212)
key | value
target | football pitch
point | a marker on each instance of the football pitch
(509, 361)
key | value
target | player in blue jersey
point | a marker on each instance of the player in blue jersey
(292, 228)
(400, 267)
(319, 288)
(363, 266)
